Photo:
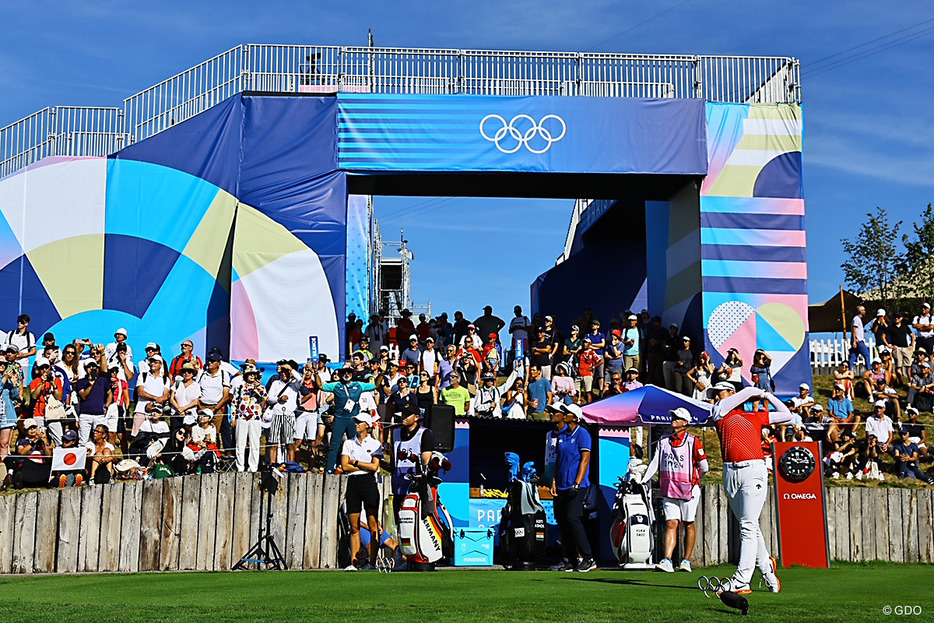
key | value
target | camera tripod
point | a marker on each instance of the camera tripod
(265, 553)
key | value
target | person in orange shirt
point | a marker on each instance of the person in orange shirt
(745, 476)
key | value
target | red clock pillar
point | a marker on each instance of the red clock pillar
(802, 511)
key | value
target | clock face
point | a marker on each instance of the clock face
(797, 464)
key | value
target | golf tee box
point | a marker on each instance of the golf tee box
(473, 547)
(801, 511)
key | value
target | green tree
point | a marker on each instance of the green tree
(874, 262)
(919, 251)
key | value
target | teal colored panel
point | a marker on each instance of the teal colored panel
(768, 339)
(155, 202)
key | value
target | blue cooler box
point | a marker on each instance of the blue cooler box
(473, 547)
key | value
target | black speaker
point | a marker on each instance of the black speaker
(440, 419)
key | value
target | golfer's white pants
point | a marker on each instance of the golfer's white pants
(747, 484)
(86, 424)
(248, 431)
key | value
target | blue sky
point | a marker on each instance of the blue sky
(869, 123)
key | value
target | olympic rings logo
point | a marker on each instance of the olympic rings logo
(523, 130)
(715, 584)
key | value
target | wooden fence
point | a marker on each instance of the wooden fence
(863, 523)
(208, 522)
(203, 523)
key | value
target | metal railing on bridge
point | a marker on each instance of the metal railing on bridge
(92, 131)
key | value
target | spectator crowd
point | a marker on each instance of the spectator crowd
(162, 414)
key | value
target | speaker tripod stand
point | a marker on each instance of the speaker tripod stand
(264, 554)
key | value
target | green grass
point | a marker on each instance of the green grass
(851, 592)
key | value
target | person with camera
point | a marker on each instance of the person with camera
(45, 388)
(281, 400)
(33, 467)
(249, 399)
(346, 393)
(11, 395)
(119, 355)
(488, 401)
(569, 488)
(308, 423)
(95, 396)
(360, 459)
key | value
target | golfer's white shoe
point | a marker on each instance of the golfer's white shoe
(665, 565)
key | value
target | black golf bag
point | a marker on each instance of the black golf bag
(522, 529)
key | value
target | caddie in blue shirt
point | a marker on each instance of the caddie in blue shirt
(346, 406)
(572, 471)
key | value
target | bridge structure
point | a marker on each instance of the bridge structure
(189, 210)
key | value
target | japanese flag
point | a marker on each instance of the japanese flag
(69, 459)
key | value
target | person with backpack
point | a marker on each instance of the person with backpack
(215, 390)
(22, 338)
(152, 388)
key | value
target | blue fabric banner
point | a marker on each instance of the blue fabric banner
(521, 134)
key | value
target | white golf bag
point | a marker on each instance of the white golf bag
(631, 535)
(424, 523)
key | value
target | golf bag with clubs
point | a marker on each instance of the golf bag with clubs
(631, 535)
(522, 529)
(425, 527)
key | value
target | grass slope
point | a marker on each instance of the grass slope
(851, 592)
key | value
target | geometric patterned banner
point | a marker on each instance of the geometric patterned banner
(753, 264)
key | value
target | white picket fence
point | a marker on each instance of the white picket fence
(827, 355)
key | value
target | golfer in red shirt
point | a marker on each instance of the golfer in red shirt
(745, 476)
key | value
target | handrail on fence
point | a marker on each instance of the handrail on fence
(329, 69)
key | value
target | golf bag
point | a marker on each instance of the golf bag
(522, 528)
(425, 527)
(631, 535)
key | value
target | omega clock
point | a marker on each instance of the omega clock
(797, 464)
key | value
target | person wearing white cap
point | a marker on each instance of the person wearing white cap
(632, 343)
(858, 346)
(681, 463)
(879, 435)
(360, 459)
(569, 488)
(120, 337)
(924, 325)
(95, 395)
(745, 476)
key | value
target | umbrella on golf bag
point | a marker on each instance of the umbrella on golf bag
(644, 406)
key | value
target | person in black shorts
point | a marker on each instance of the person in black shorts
(360, 460)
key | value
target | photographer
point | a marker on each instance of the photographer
(281, 400)
(248, 402)
(360, 459)
(94, 396)
(11, 394)
(32, 466)
(488, 399)
(308, 423)
(45, 386)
